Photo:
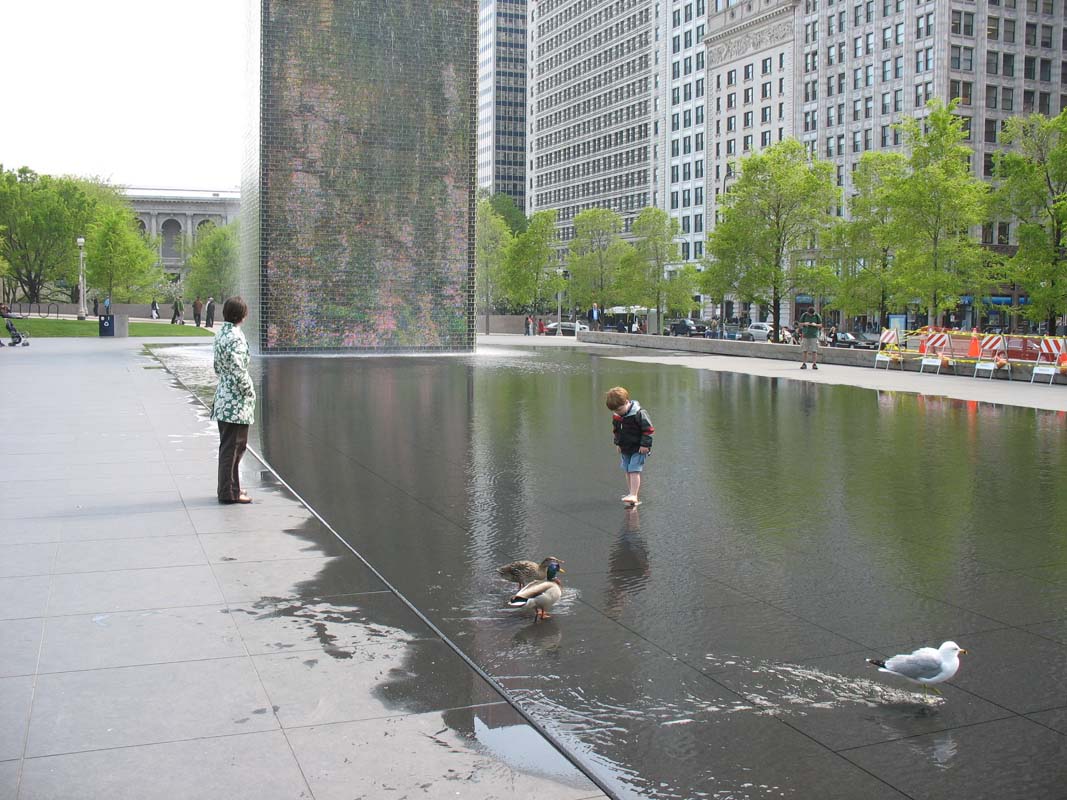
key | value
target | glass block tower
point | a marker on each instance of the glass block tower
(359, 187)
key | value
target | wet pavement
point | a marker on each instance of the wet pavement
(158, 645)
(710, 644)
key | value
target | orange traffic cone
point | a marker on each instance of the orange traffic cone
(975, 349)
(922, 345)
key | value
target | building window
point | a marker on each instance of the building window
(963, 23)
(1009, 31)
(992, 63)
(992, 29)
(991, 97)
(1008, 65)
(1007, 98)
(961, 90)
(961, 58)
(991, 131)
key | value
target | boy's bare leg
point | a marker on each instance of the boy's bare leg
(633, 482)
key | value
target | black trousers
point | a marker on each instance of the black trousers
(233, 440)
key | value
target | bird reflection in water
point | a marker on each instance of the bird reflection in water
(628, 567)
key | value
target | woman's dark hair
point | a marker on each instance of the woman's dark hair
(235, 310)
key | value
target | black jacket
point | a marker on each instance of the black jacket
(632, 430)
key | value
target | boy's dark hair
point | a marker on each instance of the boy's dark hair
(616, 398)
(235, 310)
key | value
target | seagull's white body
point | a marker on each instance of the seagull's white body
(926, 666)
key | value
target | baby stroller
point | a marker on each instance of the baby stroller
(16, 337)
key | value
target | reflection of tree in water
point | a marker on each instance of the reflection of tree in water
(628, 567)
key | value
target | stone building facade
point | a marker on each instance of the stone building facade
(176, 214)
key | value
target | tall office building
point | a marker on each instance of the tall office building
(590, 107)
(841, 74)
(861, 67)
(502, 98)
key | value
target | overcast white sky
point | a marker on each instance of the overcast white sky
(139, 92)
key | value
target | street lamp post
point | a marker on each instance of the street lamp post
(81, 278)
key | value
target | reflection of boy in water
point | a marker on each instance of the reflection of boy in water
(628, 568)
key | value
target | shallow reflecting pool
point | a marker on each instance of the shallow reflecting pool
(712, 643)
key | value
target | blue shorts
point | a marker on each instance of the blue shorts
(633, 462)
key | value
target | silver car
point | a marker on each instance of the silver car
(757, 332)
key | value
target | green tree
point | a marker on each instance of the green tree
(863, 248)
(530, 267)
(213, 262)
(504, 205)
(643, 270)
(1033, 189)
(492, 241)
(933, 209)
(779, 205)
(118, 259)
(595, 253)
(41, 218)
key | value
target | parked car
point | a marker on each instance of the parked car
(845, 339)
(685, 327)
(758, 332)
(553, 328)
(730, 331)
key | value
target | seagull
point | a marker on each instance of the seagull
(926, 666)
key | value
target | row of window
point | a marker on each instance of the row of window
(683, 41)
(590, 23)
(685, 66)
(687, 12)
(684, 93)
(598, 58)
(688, 171)
(691, 224)
(618, 138)
(747, 143)
(687, 144)
(687, 198)
(688, 118)
(748, 95)
(593, 166)
(748, 118)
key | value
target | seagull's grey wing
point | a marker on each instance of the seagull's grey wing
(923, 664)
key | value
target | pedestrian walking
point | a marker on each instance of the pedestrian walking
(527, 326)
(107, 305)
(96, 306)
(198, 309)
(209, 313)
(179, 309)
(810, 325)
(594, 317)
(235, 400)
(632, 431)
(541, 327)
(155, 309)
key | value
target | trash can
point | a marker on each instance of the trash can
(115, 325)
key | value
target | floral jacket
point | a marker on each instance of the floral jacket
(235, 397)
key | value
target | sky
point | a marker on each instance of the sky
(141, 93)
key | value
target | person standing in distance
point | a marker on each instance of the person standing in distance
(632, 430)
(209, 313)
(235, 400)
(810, 325)
(198, 309)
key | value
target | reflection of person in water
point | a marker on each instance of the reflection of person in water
(628, 567)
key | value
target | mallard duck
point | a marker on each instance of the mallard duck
(524, 572)
(540, 595)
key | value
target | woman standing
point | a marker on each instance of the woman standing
(235, 400)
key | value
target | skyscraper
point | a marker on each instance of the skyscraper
(590, 127)
(502, 98)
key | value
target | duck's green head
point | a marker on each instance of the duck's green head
(553, 569)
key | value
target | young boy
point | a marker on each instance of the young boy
(633, 437)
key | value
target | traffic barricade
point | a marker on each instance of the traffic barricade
(1048, 359)
(992, 355)
(889, 350)
(938, 353)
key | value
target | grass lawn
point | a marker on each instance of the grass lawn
(91, 327)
